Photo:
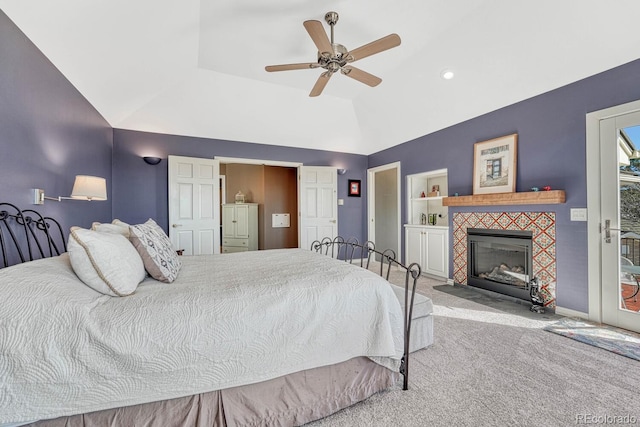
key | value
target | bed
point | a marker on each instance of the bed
(278, 337)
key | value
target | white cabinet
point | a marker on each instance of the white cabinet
(424, 195)
(429, 247)
(239, 227)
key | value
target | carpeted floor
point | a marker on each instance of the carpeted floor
(492, 364)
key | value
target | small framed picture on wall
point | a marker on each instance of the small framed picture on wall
(354, 188)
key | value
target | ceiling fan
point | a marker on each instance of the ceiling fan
(333, 56)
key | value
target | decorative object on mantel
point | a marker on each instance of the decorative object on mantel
(535, 189)
(422, 194)
(551, 197)
(546, 188)
(494, 165)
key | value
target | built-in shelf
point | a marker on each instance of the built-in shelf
(420, 206)
(523, 198)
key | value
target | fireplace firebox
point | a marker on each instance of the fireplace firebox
(500, 261)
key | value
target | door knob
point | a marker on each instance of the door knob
(176, 225)
(608, 230)
(333, 221)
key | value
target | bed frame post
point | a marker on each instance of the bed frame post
(388, 257)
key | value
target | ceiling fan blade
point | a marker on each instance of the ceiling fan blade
(287, 67)
(361, 76)
(318, 35)
(320, 83)
(380, 45)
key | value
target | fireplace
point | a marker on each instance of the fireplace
(500, 261)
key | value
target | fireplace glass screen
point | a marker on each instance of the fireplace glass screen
(500, 260)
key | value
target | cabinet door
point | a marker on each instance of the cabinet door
(228, 221)
(242, 221)
(414, 244)
(436, 253)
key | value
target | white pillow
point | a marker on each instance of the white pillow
(106, 262)
(117, 227)
(156, 250)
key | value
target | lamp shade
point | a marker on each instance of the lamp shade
(89, 188)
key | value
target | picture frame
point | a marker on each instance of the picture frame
(354, 188)
(494, 165)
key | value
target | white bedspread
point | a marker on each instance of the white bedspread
(227, 320)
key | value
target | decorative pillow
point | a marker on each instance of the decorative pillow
(106, 262)
(158, 255)
(117, 227)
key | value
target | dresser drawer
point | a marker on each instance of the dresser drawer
(232, 249)
(235, 242)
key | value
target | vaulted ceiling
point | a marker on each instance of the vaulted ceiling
(196, 67)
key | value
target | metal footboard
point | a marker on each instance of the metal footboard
(351, 249)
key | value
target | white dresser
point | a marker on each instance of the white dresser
(239, 227)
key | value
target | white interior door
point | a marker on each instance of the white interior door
(618, 273)
(194, 205)
(318, 203)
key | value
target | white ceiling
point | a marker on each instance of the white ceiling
(196, 67)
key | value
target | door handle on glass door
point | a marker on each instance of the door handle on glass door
(607, 230)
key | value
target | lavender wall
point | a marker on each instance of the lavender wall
(551, 151)
(48, 133)
(140, 190)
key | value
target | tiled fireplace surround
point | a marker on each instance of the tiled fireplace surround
(541, 224)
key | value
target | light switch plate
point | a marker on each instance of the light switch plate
(578, 214)
(340, 202)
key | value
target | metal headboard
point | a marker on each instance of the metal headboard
(349, 249)
(25, 235)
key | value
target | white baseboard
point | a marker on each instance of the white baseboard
(567, 312)
(450, 282)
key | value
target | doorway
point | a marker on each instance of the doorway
(613, 179)
(383, 207)
(274, 190)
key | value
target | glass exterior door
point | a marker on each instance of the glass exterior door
(620, 209)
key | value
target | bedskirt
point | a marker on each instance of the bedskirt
(291, 400)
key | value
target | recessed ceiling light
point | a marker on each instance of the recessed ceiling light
(447, 74)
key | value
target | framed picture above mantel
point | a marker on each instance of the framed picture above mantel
(494, 165)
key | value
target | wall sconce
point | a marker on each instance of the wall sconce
(85, 187)
(152, 160)
(342, 171)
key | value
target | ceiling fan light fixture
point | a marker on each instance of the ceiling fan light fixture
(334, 57)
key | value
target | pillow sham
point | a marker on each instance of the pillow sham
(158, 255)
(116, 227)
(106, 262)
